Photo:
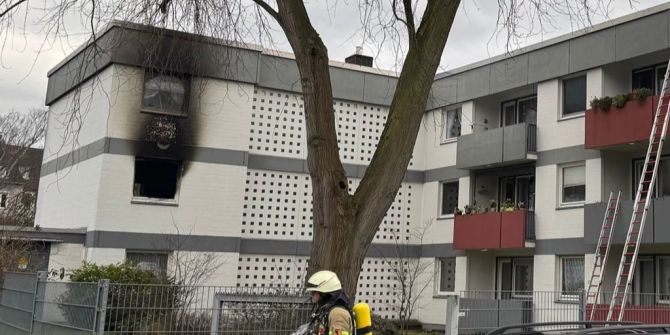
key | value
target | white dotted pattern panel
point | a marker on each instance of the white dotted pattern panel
(271, 271)
(278, 205)
(278, 127)
(377, 284)
(277, 124)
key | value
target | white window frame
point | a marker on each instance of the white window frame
(186, 82)
(445, 112)
(561, 96)
(438, 276)
(559, 281)
(151, 252)
(440, 213)
(561, 203)
(157, 201)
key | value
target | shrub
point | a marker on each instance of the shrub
(144, 298)
(620, 100)
(594, 103)
(381, 326)
(605, 103)
(641, 94)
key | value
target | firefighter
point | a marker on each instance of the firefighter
(333, 315)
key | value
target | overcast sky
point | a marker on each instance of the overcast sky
(23, 72)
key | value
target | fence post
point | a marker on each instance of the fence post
(453, 312)
(582, 305)
(41, 276)
(101, 306)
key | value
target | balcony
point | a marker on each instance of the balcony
(619, 126)
(656, 229)
(494, 230)
(498, 147)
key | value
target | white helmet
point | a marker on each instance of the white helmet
(324, 282)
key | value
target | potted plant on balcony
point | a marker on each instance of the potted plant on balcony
(509, 206)
(641, 94)
(457, 211)
(493, 207)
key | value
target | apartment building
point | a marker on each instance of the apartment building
(199, 139)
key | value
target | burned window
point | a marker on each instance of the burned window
(165, 93)
(156, 178)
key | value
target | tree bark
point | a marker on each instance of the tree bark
(344, 224)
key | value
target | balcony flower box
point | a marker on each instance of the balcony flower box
(619, 126)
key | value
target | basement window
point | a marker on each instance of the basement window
(165, 93)
(156, 180)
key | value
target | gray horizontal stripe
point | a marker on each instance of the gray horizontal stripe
(149, 241)
(562, 246)
(119, 146)
(566, 155)
(203, 243)
(445, 173)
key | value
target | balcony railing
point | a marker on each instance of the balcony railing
(619, 126)
(497, 147)
(656, 229)
(494, 230)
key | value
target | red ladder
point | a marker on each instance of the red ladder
(643, 198)
(602, 250)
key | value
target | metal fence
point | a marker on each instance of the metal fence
(641, 307)
(482, 311)
(29, 304)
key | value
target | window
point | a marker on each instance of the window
(662, 187)
(165, 94)
(3, 200)
(517, 190)
(156, 178)
(452, 124)
(571, 279)
(449, 198)
(519, 111)
(150, 261)
(515, 277)
(447, 269)
(650, 77)
(664, 278)
(574, 95)
(573, 184)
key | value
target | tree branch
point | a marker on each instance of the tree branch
(380, 183)
(409, 17)
(268, 9)
(11, 8)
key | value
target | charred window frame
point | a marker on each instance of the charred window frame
(166, 93)
(156, 180)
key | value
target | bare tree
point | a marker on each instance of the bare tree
(19, 175)
(410, 274)
(344, 223)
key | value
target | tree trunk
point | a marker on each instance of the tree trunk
(344, 225)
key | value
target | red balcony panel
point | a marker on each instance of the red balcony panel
(512, 229)
(479, 231)
(619, 126)
(496, 230)
(653, 314)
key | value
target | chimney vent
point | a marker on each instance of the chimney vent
(359, 58)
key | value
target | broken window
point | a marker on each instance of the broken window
(156, 178)
(165, 93)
